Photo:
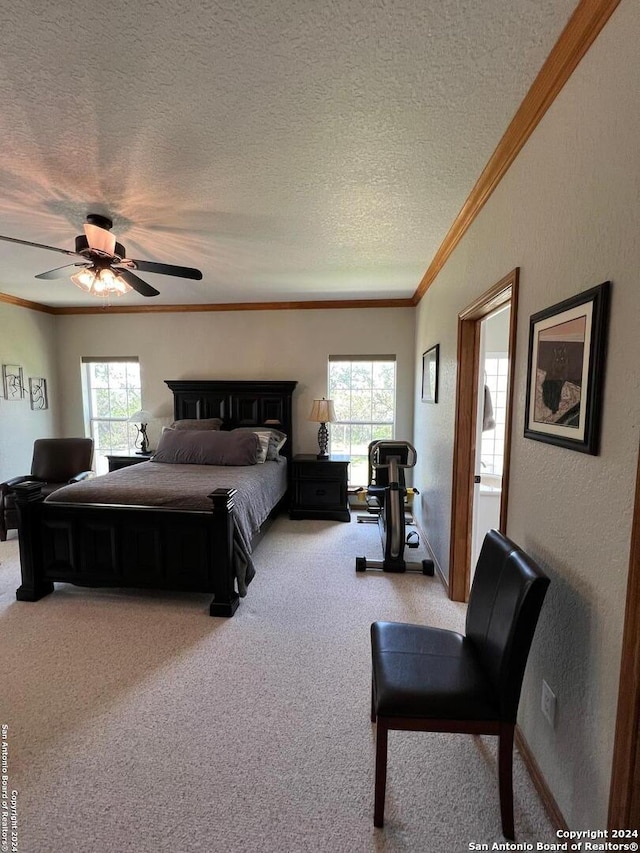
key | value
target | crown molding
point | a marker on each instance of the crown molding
(314, 305)
(25, 303)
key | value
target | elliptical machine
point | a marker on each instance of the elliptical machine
(394, 457)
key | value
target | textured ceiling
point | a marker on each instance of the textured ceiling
(291, 150)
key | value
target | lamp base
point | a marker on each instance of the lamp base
(323, 441)
(143, 439)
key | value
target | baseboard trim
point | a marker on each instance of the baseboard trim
(539, 782)
(427, 544)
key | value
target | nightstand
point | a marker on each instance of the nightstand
(319, 487)
(117, 462)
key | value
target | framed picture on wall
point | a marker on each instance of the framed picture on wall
(38, 393)
(12, 382)
(430, 368)
(565, 373)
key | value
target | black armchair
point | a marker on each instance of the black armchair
(56, 462)
(430, 679)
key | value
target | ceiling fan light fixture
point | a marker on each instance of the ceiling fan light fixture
(100, 239)
(105, 270)
(100, 282)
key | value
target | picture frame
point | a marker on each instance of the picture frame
(430, 374)
(12, 382)
(565, 372)
(38, 397)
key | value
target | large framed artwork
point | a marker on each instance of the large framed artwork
(567, 347)
(430, 368)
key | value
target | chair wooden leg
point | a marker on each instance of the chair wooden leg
(373, 702)
(381, 772)
(505, 778)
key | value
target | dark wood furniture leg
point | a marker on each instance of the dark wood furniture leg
(225, 600)
(505, 778)
(33, 586)
(381, 772)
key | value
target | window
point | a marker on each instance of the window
(111, 389)
(496, 371)
(363, 390)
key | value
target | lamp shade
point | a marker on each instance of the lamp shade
(322, 411)
(140, 417)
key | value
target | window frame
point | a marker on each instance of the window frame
(92, 419)
(372, 423)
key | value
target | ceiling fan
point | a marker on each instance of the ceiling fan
(106, 270)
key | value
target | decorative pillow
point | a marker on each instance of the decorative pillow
(277, 439)
(263, 438)
(207, 447)
(197, 423)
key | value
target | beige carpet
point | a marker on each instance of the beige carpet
(138, 723)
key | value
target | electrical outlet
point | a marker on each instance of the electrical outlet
(548, 704)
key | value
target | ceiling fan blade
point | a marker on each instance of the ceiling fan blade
(164, 269)
(136, 283)
(60, 272)
(37, 245)
(99, 238)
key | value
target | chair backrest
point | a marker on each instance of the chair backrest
(504, 604)
(56, 460)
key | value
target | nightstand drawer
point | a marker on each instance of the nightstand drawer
(314, 493)
(316, 471)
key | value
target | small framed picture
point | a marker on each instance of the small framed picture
(567, 345)
(430, 368)
(12, 382)
(38, 393)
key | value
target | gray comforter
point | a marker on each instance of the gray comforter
(259, 488)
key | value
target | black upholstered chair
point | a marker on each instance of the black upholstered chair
(56, 462)
(435, 680)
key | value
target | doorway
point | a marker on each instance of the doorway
(491, 411)
(470, 412)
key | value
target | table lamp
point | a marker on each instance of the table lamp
(322, 412)
(141, 418)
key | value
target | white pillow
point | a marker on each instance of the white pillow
(261, 455)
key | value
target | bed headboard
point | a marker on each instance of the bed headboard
(237, 402)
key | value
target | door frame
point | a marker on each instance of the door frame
(624, 792)
(464, 443)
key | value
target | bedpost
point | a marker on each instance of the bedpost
(29, 501)
(226, 599)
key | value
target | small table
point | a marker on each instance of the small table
(117, 462)
(319, 487)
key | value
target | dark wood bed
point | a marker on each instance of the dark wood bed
(114, 545)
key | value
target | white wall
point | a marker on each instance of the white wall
(567, 214)
(239, 345)
(27, 338)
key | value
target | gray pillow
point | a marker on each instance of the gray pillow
(207, 447)
(276, 439)
(197, 423)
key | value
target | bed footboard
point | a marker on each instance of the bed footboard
(104, 545)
